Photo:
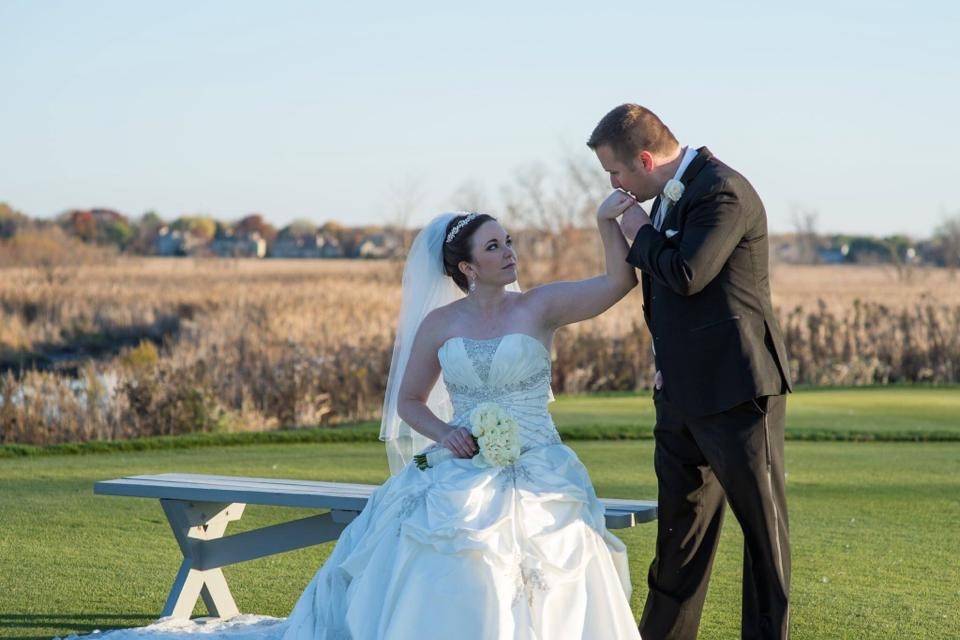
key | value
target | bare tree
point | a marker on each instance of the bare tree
(555, 209)
(587, 185)
(403, 199)
(808, 240)
(470, 196)
(555, 201)
(947, 235)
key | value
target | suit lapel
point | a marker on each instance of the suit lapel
(698, 163)
(695, 166)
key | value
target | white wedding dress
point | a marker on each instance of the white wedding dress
(456, 551)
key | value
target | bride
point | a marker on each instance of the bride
(457, 551)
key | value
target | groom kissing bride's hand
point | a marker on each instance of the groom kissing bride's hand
(615, 205)
(621, 202)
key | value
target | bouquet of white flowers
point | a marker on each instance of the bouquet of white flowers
(497, 435)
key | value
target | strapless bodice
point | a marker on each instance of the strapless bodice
(512, 370)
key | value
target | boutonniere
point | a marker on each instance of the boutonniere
(673, 190)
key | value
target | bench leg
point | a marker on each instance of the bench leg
(192, 523)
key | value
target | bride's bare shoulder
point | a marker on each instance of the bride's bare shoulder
(447, 312)
(436, 324)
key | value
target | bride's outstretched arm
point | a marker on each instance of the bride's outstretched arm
(419, 377)
(561, 303)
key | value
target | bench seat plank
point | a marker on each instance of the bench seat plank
(311, 494)
(322, 495)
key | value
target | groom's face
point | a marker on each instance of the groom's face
(631, 176)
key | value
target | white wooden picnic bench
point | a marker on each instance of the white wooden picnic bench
(199, 506)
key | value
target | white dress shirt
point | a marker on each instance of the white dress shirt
(689, 153)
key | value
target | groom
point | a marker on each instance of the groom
(722, 372)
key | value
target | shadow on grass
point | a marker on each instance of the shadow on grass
(68, 623)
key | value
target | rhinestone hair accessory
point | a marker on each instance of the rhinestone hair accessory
(460, 225)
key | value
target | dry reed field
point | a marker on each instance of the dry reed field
(165, 346)
(839, 285)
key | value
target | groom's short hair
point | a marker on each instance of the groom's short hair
(630, 129)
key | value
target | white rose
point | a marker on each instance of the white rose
(673, 190)
(478, 418)
(498, 435)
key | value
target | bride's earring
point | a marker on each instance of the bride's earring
(473, 285)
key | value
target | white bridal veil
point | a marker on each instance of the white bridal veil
(425, 287)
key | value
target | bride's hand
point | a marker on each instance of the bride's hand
(460, 441)
(614, 206)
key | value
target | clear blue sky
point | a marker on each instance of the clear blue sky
(319, 110)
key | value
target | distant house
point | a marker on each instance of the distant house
(174, 242)
(309, 245)
(833, 255)
(931, 252)
(792, 248)
(378, 245)
(230, 245)
(331, 248)
(785, 249)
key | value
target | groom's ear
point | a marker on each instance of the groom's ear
(644, 160)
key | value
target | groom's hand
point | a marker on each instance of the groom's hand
(633, 218)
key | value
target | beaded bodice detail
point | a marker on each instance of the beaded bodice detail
(512, 370)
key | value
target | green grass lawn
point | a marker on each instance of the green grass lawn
(895, 414)
(891, 412)
(874, 531)
(874, 526)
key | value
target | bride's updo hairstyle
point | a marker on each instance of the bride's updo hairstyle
(456, 245)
